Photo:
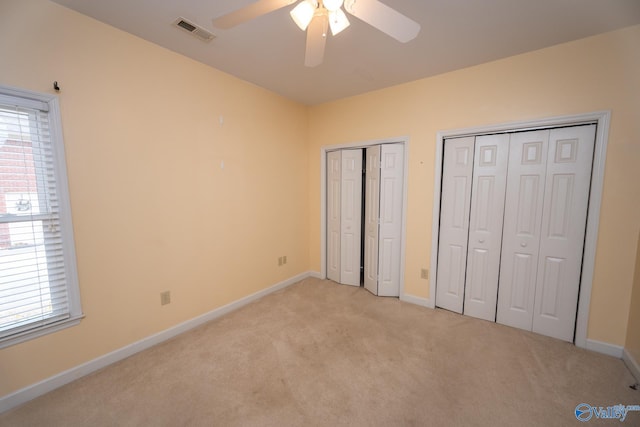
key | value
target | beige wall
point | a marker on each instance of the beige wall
(597, 73)
(154, 211)
(633, 329)
(152, 208)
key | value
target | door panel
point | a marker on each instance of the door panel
(529, 189)
(351, 209)
(372, 213)
(522, 224)
(334, 168)
(390, 230)
(475, 291)
(485, 227)
(564, 218)
(457, 171)
(523, 268)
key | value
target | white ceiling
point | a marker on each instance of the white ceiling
(269, 51)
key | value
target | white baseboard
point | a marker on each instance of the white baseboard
(315, 275)
(631, 363)
(31, 392)
(593, 345)
(424, 302)
(604, 348)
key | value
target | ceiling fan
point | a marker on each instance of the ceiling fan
(316, 16)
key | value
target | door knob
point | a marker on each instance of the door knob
(523, 244)
(480, 240)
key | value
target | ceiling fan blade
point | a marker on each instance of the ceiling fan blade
(316, 39)
(249, 12)
(384, 18)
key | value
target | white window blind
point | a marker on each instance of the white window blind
(38, 286)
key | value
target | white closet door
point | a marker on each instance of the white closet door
(372, 214)
(564, 218)
(334, 168)
(521, 233)
(485, 227)
(390, 241)
(457, 172)
(351, 220)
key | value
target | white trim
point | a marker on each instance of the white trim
(602, 119)
(323, 213)
(35, 390)
(604, 348)
(28, 98)
(435, 218)
(404, 140)
(66, 219)
(631, 363)
(315, 274)
(405, 195)
(30, 334)
(412, 299)
(593, 221)
(49, 103)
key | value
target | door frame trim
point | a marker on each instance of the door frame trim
(404, 140)
(602, 120)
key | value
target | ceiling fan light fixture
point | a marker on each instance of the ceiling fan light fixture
(338, 21)
(302, 14)
(332, 5)
(349, 6)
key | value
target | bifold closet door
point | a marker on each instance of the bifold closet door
(383, 199)
(390, 233)
(566, 200)
(372, 214)
(485, 226)
(521, 234)
(457, 172)
(334, 183)
(383, 219)
(344, 209)
(351, 217)
(545, 222)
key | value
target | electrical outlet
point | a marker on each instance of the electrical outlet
(165, 297)
(424, 274)
(280, 262)
(284, 259)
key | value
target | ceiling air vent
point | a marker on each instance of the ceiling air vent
(194, 29)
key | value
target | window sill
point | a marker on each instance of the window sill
(41, 331)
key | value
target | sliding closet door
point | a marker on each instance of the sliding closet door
(334, 168)
(351, 220)
(372, 213)
(564, 219)
(457, 171)
(522, 223)
(485, 226)
(390, 239)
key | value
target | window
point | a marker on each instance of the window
(38, 280)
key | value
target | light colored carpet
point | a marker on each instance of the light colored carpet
(322, 354)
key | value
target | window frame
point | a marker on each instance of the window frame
(36, 100)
